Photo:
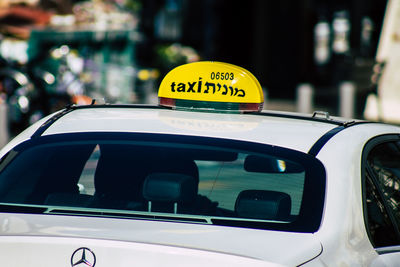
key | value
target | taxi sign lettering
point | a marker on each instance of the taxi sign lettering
(209, 81)
(209, 88)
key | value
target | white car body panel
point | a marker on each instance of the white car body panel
(342, 223)
(57, 252)
(342, 239)
(297, 134)
(260, 129)
(251, 245)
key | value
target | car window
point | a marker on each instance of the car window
(383, 193)
(192, 179)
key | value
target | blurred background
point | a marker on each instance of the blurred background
(308, 55)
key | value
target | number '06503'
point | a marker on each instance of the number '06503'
(222, 76)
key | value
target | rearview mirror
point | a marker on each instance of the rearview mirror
(268, 164)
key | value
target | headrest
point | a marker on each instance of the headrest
(263, 204)
(170, 187)
(120, 172)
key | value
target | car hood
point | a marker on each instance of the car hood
(48, 240)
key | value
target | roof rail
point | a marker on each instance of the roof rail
(321, 114)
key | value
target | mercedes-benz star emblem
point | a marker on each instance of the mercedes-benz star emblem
(83, 257)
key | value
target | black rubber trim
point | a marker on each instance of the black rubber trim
(50, 121)
(323, 140)
(388, 250)
(314, 150)
(68, 109)
(118, 106)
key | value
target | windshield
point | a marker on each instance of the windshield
(165, 177)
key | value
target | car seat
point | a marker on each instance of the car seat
(263, 204)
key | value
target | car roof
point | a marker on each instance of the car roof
(290, 130)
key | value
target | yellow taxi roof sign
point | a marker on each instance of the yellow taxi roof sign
(211, 82)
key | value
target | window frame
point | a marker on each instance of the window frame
(366, 169)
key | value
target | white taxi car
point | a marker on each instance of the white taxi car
(207, 178)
